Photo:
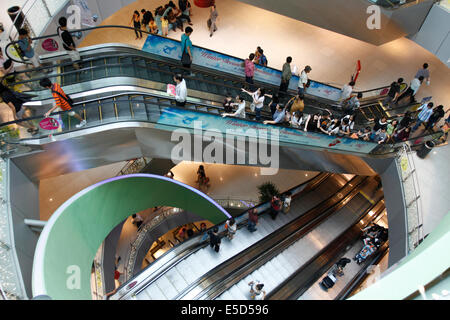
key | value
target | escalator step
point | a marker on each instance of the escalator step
(108, 113)
(92, 114)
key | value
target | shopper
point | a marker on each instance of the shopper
(231, 227)
(214, 239)
(256, 288)
(227, 107)
(287, 202)
(146, 17)
(62, 101)
(258, 101)
(402, 134)
(275, 207)
(252, 220)
(186, 48)
(286, 75)
(394, 91)
(185, 10)
(296, 103)
(158, 19)
(136, 23)
(411, 91)
(14, 100)
(240, 111)
(296, 119)
(262, 58)
(303, 81)
(426, 110)
(24, 44)
(278, 117)
(213, 16)
(353, 104)
(6, 64)
(424, 72)
(180, 90)
(437, 114)
(68, 43)
(273, 103)
(249, 68)
(346, 92)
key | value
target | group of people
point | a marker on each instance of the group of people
(373, 237)
(165, 18)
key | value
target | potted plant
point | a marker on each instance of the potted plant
(266, 191)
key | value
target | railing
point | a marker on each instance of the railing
(411, 194)
(98, 291)
(134, 166)
(150, 223)
(11, 284)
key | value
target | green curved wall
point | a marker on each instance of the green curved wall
(76, 230)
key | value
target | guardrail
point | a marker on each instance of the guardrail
(411, 195)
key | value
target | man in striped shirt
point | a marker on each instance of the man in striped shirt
(424, 115)
(61, 101)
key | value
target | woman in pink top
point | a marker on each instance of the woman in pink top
(249, 68)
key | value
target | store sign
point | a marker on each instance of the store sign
(214, 60)
(50, 45)
(182, 118)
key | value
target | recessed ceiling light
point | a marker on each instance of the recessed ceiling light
(51, 199)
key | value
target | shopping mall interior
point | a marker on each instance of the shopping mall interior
(224, 150)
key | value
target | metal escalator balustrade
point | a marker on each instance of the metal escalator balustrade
(171, 258)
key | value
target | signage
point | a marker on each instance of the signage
(183, 118)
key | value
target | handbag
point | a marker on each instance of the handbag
(185, 58)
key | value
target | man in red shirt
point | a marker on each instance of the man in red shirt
(275, 207)
(252, 220)
(62, 102)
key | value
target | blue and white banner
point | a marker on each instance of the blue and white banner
(210, 59)
(183, 118)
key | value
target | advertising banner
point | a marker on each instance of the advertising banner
(214, 60)
(186, 118)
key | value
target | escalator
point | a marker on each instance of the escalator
(294, 286)
(271, 259)
(119, 60)
(139, 122)
(151, 283)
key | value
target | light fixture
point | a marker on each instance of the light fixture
(51, 199)
(371, 213)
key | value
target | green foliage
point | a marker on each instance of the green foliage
(267, 190)
(13, 133)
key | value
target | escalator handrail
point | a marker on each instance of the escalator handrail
(79, 105)
(149, 33)
(260, 209)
